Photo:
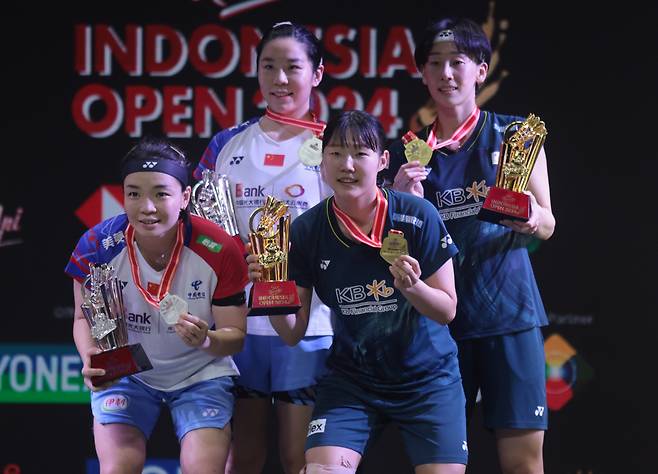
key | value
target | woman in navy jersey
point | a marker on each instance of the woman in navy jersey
(500, 312)
(381, 260)
(276, 154)
(158, 250)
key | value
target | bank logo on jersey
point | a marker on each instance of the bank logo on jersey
(379, 288)
(139, 322)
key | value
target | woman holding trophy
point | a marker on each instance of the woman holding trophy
(381, 260)
(276, 155)
(160, 254)
(453, 163)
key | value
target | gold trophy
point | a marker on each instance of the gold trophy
(269, 238)
(522, 142)
(212, 200)
(104, 310)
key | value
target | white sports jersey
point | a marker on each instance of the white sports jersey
(211, 267)
(258, 166)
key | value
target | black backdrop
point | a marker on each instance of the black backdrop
(589, 76)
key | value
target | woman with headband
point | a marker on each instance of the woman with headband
(500, 311)
(157, 249)
(276, 154)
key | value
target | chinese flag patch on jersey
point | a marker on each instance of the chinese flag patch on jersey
(153, 288)
(274, 160)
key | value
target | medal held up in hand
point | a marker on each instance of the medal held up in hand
(393, 246)
(522, 142)
(104, 311)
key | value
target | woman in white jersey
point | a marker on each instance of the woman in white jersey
(157, 249)
(276, 154)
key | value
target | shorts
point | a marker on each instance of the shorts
(268, 366)
(207, 404)
(509, 370)
(431, 420)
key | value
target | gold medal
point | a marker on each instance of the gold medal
(418, 150)
(393, 246)
(311, 151)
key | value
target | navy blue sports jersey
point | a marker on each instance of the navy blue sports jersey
(496, 288)
(380, 340)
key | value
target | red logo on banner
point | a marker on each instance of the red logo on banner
(274, 160)
(106, 202)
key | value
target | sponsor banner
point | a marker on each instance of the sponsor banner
(41, 373)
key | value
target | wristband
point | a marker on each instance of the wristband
(206, 343)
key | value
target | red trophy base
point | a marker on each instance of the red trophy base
(273, 298)
(503, 204)
(120, 362)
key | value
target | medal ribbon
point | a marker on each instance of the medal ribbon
(462, 131)
(375, 239)
(315, 126)
(169, 271)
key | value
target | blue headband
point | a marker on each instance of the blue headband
(170, 167)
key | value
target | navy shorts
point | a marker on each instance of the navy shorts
(431, 420)
(510, 372)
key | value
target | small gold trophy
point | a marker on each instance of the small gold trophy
(522, 142)
(274, 293)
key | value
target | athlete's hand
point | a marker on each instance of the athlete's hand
(255, 269)
(406, 272)
(409, 178)
(529, 227)
(191, 329)
(88, 372)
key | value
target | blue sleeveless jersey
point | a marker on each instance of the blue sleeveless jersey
(380, 340)
(495, 283)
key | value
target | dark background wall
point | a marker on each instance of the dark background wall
(589, 76)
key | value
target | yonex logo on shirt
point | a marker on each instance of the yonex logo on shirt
(149, 164)
(209, 243)
(235, 160)
(324, 264)
(445, 241)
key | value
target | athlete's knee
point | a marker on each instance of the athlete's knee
(316, 468)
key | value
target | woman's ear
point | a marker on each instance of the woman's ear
(383, 161)
(317, 75)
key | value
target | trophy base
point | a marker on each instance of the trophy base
(269, 298)
(120, 362)
(501, 204)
